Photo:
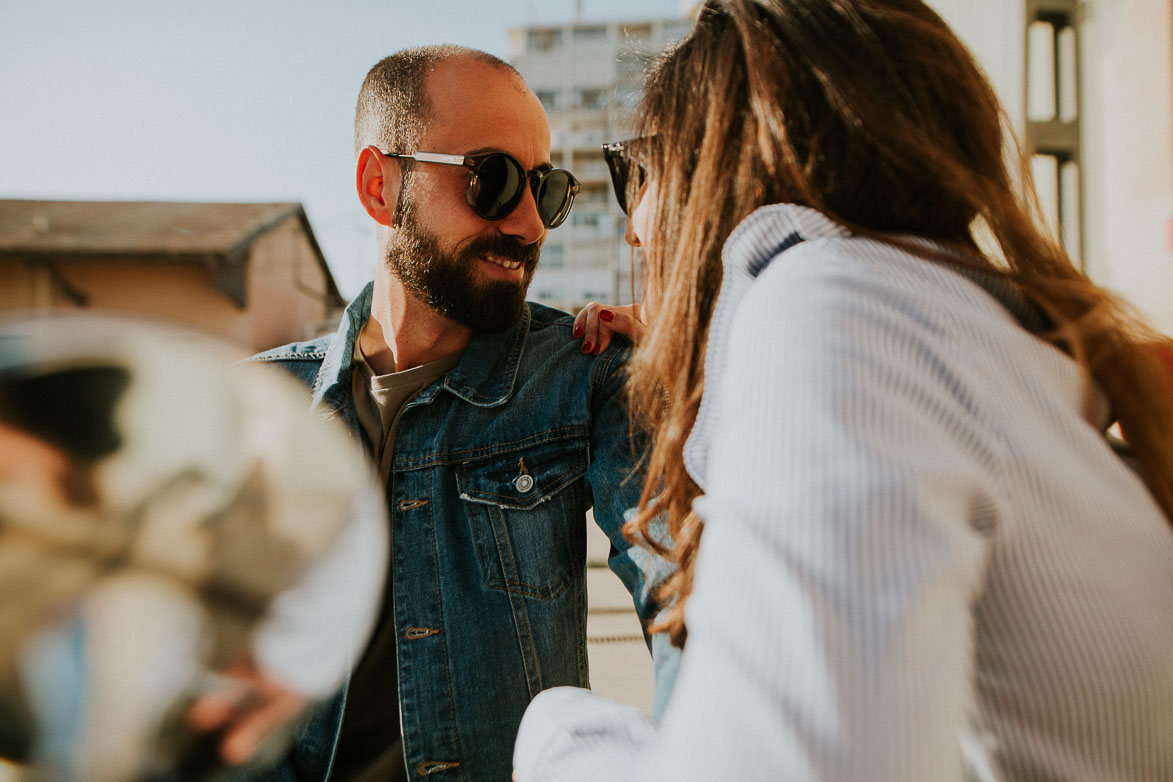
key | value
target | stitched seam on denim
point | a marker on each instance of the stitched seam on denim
(556, 318)
(601, 370)
(287, 357)
(538, 593)
(560, 481)
(582, 666)
(516, 586)
(473, 454)
(317, 384)
(520, 614)
(334, 411)
(597, 388)
(484, 555)
(561, 433)
(444, 636)
(483, 516)
(565, 480)
(529, 590)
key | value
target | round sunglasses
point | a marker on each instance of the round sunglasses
(496, 183)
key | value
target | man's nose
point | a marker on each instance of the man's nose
(523, 222)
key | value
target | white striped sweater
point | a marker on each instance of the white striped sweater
(920, 561)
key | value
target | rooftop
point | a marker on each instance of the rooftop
(215, 234)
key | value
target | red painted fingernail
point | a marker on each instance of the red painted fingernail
(586, 346)
(607, 315)
(578, 331)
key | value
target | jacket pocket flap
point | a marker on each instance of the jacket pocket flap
(523, 477)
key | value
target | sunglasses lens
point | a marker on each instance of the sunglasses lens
(499, 182)
(622, 165)
(555, 196)
(498, 186)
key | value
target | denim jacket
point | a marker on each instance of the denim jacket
(495, 467)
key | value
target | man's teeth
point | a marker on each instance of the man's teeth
(503, 262)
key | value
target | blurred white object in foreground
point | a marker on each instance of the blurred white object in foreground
(166, 517)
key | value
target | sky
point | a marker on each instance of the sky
(225, 100)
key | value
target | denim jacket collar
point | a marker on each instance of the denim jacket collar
(487, 371)
(332, 385)
(485, 376)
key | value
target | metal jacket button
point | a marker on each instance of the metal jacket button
(523, 483)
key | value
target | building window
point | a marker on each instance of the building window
(636, 33)
(590, 167)
(675, 30)
(553, 256)
(590, 225)
(590, 35)
(543, 40)
(547, 295)
(594, 193)
(591, 98)
(549, 98)
(1052, 115)
(627, 96)
(630, 67)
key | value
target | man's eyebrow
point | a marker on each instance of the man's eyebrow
(546, 166)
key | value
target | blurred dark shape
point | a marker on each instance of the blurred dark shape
(72, 409)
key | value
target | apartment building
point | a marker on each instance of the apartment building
(588, 77)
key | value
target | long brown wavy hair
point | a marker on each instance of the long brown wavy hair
(874, 113)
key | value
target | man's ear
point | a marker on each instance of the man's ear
(378, 185)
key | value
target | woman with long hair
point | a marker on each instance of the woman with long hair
(907, 547)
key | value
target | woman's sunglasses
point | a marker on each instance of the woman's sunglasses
(496, 183)
(622, 160)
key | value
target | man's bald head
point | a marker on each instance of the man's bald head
(393, 110)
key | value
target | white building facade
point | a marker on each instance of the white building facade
(1090, 84)
(1087, 83)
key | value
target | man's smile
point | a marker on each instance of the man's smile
(501, 261)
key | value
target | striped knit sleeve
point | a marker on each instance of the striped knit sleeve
(848, 504)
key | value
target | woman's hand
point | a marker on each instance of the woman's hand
(249, 711)
(597, 323)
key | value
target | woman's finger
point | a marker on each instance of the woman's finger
(580, 323)
(216, 708)
(589, 334)
(275, 708)
(623, 320)
(619, 320)
(596, 324)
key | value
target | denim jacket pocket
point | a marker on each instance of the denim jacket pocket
(526, 508)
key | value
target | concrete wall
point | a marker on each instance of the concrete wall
(1128, 124)
(286, 289)
(994, 30)
(179, 293)
(1126, 104)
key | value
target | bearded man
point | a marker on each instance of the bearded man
(492, 427)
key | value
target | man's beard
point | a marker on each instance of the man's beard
(447, 281)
